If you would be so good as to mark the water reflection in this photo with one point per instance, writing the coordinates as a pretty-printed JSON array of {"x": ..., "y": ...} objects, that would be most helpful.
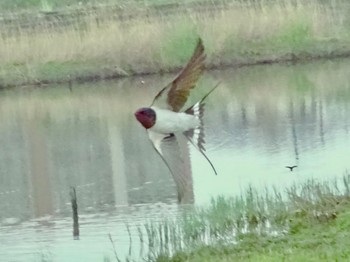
[{"x": 259, "y": 120}]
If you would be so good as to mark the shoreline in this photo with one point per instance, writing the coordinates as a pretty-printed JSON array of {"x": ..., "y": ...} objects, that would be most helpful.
[
  {"x": 101, "y": 47},
  {"x": 110, "y": 73}
]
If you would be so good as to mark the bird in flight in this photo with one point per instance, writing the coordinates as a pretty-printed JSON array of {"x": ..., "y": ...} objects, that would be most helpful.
[
  {"x": 291, "y": 167},
  {"x": 166, "y": 120}
]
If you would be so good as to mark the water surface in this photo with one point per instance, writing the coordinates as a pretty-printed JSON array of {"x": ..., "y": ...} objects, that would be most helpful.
[{"x": 258, "y": 121}]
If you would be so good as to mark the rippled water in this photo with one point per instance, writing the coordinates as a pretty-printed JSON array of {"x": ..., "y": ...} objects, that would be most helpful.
[{"x": 258, "y": 121}]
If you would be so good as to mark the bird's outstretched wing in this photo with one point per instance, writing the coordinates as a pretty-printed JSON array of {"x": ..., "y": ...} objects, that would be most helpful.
[
  {"x": 170, "y": 148},
  {"x": 291, "y": 167},
  {"x": 174, "y": 95}
]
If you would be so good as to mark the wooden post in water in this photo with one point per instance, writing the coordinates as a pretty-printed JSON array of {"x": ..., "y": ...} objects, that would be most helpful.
[{"x": 73, "y": 199}]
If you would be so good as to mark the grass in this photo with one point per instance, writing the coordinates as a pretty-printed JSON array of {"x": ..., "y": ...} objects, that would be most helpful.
[
  {"x": 326, "y": 241},
  {"x": 308, "y": 222},
  {"x": 96, "y": 45}
]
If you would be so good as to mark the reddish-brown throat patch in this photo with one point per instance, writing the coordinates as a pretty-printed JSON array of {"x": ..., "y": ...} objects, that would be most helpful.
[{"x": 146, "y": 116}]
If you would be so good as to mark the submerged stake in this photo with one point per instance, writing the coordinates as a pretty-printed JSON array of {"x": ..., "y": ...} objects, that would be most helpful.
[{"x": 73, "y": 199}]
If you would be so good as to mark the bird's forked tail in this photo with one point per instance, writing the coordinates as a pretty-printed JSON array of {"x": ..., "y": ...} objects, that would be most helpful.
[{"x": 196, "y": 135}]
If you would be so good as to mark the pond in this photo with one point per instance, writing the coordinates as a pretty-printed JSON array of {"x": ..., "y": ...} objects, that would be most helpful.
[{"x": 258, "y": 121}]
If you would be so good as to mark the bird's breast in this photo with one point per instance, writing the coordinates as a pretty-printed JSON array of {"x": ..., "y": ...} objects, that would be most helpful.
[{"x": 171, "y": 122}]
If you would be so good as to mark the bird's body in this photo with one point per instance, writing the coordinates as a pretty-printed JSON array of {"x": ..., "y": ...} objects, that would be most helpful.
[
  {"x": 165, "y": 120},
  {"x": 168, "y": 121}
]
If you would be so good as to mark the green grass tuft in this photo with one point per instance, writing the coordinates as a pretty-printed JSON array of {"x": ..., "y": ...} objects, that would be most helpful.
[
  {"x": 310, "y": 220},
  {"x": 295, "y": 36}
]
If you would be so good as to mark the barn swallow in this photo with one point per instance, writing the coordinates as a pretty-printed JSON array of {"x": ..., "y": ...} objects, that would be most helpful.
[
  {"x": 291, "y": 167},
  {"x": 165, "y": 120}
]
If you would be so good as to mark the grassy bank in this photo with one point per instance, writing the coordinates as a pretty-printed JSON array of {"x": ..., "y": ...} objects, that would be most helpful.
[
  {"x": 99, "y": 46},
  {"x": 312, "y": 242},
  {"x": 308, "y": 222}
]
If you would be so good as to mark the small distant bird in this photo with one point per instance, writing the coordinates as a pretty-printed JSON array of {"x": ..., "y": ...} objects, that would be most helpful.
[
  {"x": 165, "y": 120},
  {"x": 291, "y": 167}
]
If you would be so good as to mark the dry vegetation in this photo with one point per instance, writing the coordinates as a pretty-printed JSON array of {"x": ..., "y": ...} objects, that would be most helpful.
[{"x": 100, "y": 46}]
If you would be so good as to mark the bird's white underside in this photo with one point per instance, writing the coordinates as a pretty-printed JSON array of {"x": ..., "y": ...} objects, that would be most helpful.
[
  {"x": 168, "y": 122},
  {"x": 173, "y": 122}
]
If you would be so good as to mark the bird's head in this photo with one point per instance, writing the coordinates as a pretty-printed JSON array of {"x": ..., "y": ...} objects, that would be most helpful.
[{"x": 146, "y": 116}]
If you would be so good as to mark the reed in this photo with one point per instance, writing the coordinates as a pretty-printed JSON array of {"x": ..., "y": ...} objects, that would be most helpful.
[
  {"x": 97, "y": 45},
  {"x": 227, "y": 221}
]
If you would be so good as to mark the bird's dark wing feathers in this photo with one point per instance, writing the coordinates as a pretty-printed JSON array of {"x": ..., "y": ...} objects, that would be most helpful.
[{"x": 174, "y": 95}]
